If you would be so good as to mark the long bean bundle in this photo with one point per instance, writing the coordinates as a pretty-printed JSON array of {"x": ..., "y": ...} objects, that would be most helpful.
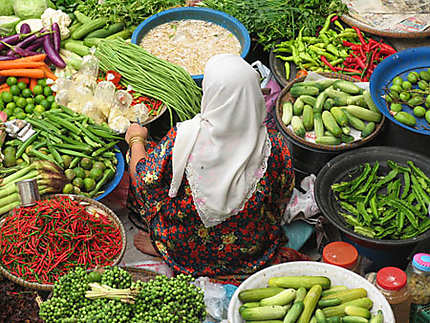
[{"x": 151, "y": 76}]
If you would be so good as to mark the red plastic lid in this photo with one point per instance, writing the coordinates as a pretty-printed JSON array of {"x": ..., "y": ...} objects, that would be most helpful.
[
  {"x": 341, "y": 254},
  {"x": 391, "y": 278}
]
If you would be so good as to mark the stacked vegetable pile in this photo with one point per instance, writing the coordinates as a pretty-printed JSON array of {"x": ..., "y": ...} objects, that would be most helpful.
[
  {"x": 94, "y": 297},
  {"x": 344, "y": 51},
  {"x": 307, "y": 299},
  {"x": 410, "y": 94},
  {"x": 43, "y": 242},
  {"x": 329, "y": 107},
  {"x": 388, "y": 206}
]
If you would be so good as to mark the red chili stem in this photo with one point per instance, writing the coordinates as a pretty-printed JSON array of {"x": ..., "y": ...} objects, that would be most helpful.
[{"x": 326, "y": 62}]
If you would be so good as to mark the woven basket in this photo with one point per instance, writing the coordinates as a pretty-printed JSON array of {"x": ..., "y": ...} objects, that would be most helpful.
[
  {"x": 100, "y": 207},
  {"x": 286, "y": 97}
]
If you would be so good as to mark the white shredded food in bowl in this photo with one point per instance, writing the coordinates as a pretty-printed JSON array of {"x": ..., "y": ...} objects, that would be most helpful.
[{"x": 190, "y": 43}]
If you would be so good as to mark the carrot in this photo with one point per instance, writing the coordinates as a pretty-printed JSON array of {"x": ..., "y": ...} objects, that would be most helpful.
[
  {"x": 33, "y": 83},
  {"x": 25, "y": 80},
  {"x": 34, "y": 58},
  {"x": 4, "y": 89},
  {"x": 24, "y": 72},
  {"x": 4, "y": 85},
  {"x": 11, "y": 65},
  {"x": 48, "y": 72}
]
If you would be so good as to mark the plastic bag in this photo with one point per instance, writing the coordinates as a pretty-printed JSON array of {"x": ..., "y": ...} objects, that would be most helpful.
[{"x": 302, "y": 205}]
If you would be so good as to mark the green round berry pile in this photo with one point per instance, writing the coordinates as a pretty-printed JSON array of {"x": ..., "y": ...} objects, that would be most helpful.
[{"x": 160, "y": 300}]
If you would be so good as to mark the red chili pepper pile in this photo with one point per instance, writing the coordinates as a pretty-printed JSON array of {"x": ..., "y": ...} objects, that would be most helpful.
[
  {"x": 42, "y": 242},
  {"x": 364, "y": 57}
]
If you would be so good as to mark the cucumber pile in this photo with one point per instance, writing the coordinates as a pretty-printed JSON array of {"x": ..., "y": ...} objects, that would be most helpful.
[
  {"x": 329, "y": 108},
  {"x": 410, "y": 98},
  {"x": 307, "y": 299}
]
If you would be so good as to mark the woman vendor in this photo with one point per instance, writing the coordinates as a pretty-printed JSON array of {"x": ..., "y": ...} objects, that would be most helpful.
[{"x": 213, "y": 190}]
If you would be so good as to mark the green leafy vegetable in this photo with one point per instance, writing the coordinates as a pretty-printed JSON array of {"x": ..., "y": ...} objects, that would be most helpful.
[
  {"x": 6, "y": 8},
  {"x": 26, "y": 9}
]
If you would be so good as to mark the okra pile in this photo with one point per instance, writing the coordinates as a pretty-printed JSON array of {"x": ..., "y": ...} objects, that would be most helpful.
[
  {"x": 307, "y": 299},
  {"x": 328, "y": 108},
  {"x": 386, "y": 205},
  {"x": 409, "y": 98}
]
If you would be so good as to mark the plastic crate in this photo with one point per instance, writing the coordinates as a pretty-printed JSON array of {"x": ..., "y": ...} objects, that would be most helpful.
[{"x": 420, "y": 313}]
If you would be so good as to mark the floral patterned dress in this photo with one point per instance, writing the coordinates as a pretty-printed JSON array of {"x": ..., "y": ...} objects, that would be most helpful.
[{"x": 241, "y": 245}]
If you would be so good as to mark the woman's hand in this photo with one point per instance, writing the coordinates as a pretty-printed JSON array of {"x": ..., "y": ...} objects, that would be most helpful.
[{"x": 136, "y": 131}]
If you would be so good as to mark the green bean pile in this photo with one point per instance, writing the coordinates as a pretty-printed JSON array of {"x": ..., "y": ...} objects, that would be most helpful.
[
  {"x": 151, "y": 76},
  {"x": 393, "y": 206}
]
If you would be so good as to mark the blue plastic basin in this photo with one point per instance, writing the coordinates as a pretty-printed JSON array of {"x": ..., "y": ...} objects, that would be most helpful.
[
  {"x": 220, "y": 18},
  {"x": 109, "y": 187}
]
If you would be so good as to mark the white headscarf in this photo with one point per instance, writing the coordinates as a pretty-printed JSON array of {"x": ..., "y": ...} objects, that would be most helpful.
[{"x": 224, "y": 149}]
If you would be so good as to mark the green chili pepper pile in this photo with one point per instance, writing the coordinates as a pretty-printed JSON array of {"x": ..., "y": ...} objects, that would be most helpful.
[{"x": 394, "y": 206}]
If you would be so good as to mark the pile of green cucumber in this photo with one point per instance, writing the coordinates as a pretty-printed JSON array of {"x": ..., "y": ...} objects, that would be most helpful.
[
  {"x": 86, "y": 33},
  {"x": 330, "y": 107},
  {"x": 306, "y": 299}
]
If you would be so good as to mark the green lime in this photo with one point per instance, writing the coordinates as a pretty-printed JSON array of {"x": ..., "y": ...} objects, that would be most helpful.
[
  {"x": 8, "y": 112},
  {"x": 21, "y": 85},
  {"x": 11, "y": 81},
  {"x": 6, "y": 97},
  {"x": 42, "y": 82},
  {"x": 45, "y": 104},
  {"x": 30, "y": 100},
  {"x": 38, "y": 109},
  {"x": 21, "y": 102},
  {"x": 26, "y": 93},
  {"x": 38, "y": 89},
  {"x": 89, "y": 184},
  {"x": 79, "y": 182},
  {"x": 17, "y": 110},
  {"x": 68, "y": 189},
  {"x": 20, "y": 115},
  {"x": 55, "y": 106},
  {"x": 29, "y": 108},
  {"x": 96, "y": 173},
  {"x": 94, "y": 277},
  {"x": 419, "y": 111},
  {"x": 47, "y": 91},
  {"x": 11, "y": 105},
  {"x": 50, "y": 99},
  {"x": 14, "y": 89},
  {"x": 99, "y": 165},
  {"x": 79, "y": 172},
  {"x": 39, "y": 98}
]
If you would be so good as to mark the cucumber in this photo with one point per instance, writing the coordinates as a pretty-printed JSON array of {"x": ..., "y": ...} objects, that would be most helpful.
[
  {"x": 88, "y": 27},
  {"x": 330, "y": 123},
  {"x": 370, "y": 127},
  {"x": 357, "y": 311},
  {"x": 329, "y": 134},
  {"x": 83, "y": 19},
  {"x": 324, "y": 84},
  {"x": 74, "y": 27},
  {"x": 354, "y": 319},
  {"x": 300, "y": 294},
  {"x": 310, "y": 302},
  {"x": 297, "y": 91},
  {"x": 300, "y": 131},
  {"x": 265, "y": 321},
  {"x": 339, "y": 310},
  {"x": 347, "y": 87},
  {"x": 341, "y": 100},
  {"x": 328, "y": 104},
  {"x": 329, "y": 302},
  {"x": 377, "y": 318},
  {"x": 307, "y": 99},
  {"x": 299, "y": 281},
  {"x": 77, "y": 47},
  {"x": 340, "y": 117},
  {"x": 308, "y": 117},
  {"x": 328, "y": 140},
  {"x": 104, "y": 32},
  {"x": 257, "y": 294},
  {"x": 298, "y": 107},
  {"x": 353, "y": 121},
  {"x": 319, "y": 315},
  {"x": 124, "y": 34},
  {"x": 318, "y": 125},
  {"x": 405, "y": 118},
  {"x": 248, "y": 305},
  {"x": 358, "y": 100},
  {"x": 369, "y": 101},
  {"x": 319, "y": 103},
  {"x": 313, "y": 320},
  {"x": 283, "y": 298},
  {"x": 334, "y": 319},
  {"x": 263, "y": 313},
  {"x": 332, "y": 93},
  {"x": 363, "y": 113},
  {"x": 294, "y": 312},
  {"x": 346, "y": 130},
  {"x": 348, "y": 295},
  {"x": 90, "y": 42},
  {"x": 287, "y": 113},
  {"x": 346, "y": 138}
]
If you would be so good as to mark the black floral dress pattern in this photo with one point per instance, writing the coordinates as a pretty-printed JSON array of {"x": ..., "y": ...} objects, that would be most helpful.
[{"x": 241, "y": 245}]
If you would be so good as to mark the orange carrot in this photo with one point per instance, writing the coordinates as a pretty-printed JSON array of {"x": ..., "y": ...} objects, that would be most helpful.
[
  {"x": 26, "y": 80},
  {"x": 24, "y": 72},
  {"x": 34, "y": 58},
  {"x": 12, "y": 65},
  {"x": 48, "y": 72},
  {"x": 4, "y": 85},
  {"x": 4, "y": 89},
  {"x": 33, "y": 83}
]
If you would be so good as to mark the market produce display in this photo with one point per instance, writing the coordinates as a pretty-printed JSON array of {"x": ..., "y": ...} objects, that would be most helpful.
[
  {"x": 329, "y": 108},
  {"x": 85, "y": 297},
  {"x": 408, "y": 98},
  {"x": 386, "y": 205},
  {"x": 272, "y": 21},
  {"x": 305, "y": 299},
  {"x": 43, "y": 242},
  {"x": 336, "y": 49}
]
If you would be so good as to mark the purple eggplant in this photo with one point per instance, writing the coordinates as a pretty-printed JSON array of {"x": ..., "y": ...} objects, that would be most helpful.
[
  {"x": 11, "y": 40},
  {"x": 30, "y": 39},
  {"x": 36, "y": 44},
  {"x": 52, "y": 54},
  {"x": 7, "y": 58},
  {"x": 25, "y": 29},
  {"x": 56, "y": 36}
]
